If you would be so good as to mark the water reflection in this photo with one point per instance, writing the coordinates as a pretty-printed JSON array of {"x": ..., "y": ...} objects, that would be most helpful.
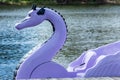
[{"x": 88, "y": 27}]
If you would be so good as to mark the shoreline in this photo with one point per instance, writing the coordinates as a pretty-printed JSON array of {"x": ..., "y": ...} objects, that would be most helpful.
[{"x": 54, "y": 3}]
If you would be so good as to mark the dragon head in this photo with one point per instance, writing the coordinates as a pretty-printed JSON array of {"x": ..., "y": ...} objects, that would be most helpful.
[{"x": 34, "y": 17}]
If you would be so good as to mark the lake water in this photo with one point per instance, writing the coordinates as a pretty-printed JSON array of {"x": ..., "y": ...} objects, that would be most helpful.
[{"x": 88, "y": 27}]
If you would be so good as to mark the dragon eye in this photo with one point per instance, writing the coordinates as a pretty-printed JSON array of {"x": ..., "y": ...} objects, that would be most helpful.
[{"x": 29, "y": 15}]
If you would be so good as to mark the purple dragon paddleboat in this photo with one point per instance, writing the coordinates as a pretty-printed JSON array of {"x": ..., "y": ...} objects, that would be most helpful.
[{"x": 100, "y": 62}]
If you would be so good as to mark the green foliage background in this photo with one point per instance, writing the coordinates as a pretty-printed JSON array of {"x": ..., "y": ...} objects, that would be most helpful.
[{"x": 55, "y": 1}]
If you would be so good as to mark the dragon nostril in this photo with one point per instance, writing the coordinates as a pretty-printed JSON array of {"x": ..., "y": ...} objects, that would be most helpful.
[{"x": 29, "y": 15}]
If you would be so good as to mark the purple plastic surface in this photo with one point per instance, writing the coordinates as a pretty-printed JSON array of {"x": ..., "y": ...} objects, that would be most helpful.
[
  {"x": 40, "y": 64},
  {"x": 40, "y": 60},
  {"x": 107, "y": 67}
]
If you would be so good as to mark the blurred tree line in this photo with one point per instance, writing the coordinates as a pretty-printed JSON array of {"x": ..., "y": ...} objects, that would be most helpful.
[
  {"x": 80, "y": 1},
  {"x": 27, "y": 1},
  {"x": 57, "y": 1}
]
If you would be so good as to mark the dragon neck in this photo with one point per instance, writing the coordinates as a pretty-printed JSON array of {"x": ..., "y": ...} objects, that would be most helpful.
[{"x": 49, "y": 49}]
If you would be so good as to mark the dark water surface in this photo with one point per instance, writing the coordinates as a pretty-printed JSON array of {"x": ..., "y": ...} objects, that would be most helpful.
[{"x": 88, "y": 27}]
